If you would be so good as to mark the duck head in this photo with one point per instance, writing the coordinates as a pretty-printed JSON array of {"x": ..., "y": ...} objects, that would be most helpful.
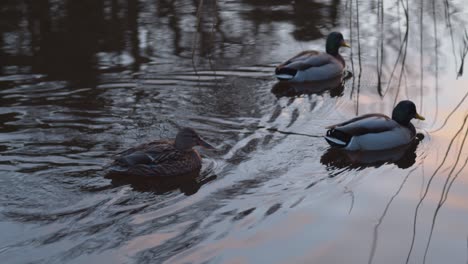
[
  {"x": 335, "y": 40},
  {"x": 187, "y": 138},
  {"x": 404, "y": 111}
]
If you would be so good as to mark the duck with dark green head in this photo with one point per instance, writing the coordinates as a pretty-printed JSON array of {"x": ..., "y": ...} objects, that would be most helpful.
[
  {"x": 162, "y": 158},
  {"x": 376, "y": 131},
  {"x": 311, "y": 65}
]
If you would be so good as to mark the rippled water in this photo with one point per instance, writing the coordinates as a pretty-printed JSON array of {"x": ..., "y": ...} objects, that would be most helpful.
[{"x": 82, "y": 80}]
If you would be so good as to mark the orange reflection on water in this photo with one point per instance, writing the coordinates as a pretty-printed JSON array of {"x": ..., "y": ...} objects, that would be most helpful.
[{"x": 290, "y": 226}]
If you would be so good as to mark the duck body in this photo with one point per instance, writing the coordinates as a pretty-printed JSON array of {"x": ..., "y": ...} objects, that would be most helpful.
[
  {"x": 403, "y": 156},
  {"x": 161, "y": 158},
  {"x": 310, "y": 66},
  {"x": 313, "y": 65},
  {"x": 373, "y": 132},
  {"x": 157, "y": 159},
  {"x": 290, "y": 89},
  {"x": 370, "y": 132}
]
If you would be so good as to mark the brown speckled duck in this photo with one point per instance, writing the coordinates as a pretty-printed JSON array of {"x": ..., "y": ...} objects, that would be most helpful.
[{"x": 162, "y": 158}]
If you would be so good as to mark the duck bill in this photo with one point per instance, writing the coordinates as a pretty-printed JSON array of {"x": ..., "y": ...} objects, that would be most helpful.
[
  {"x": 205, "y": 144},
  {"x": 345, "y": 44},
  {"x": 420, "y": 117}
]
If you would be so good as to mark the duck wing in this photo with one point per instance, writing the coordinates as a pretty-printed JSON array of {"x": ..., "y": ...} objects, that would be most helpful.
[
  {"x": 157, "y": 158},
  {"x": 153, "y": 152},
  {"x": 365, "y": 124},
  {"x": 306, "y": 60},
  {"x": 340, "y": 135}
]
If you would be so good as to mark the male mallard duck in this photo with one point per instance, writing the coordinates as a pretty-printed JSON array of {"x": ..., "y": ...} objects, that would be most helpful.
[
  {"x": 162, "y": 158},
  {"x": 376, "y": 131},
  {"x": 311, "y": 65}
]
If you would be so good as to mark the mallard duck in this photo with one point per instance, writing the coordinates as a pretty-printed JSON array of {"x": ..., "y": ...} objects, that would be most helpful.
[
  {"x": 376, "y": 131},
  {"x": 162, "y": 158},
  {"x": 311, "y": 65}
]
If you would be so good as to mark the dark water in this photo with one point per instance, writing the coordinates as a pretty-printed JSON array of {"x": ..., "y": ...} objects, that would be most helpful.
[{"x": 83, "y": 80}]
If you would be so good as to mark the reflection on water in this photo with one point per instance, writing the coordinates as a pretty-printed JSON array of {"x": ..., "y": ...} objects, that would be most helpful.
[{"x": 82, "y": 80}]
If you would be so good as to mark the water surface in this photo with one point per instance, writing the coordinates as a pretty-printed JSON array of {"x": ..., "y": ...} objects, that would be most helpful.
[{"x": 82, "y": 80}]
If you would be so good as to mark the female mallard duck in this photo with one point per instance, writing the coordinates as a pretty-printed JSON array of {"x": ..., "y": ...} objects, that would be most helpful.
[
  {"x": 162, "y": 158},
  {"x": 311, "y": 65},
  {"x": 376, "y": 131}
]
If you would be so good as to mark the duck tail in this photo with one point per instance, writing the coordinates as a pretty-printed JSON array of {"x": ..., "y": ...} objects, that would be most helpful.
[
  {"x": 285, "y": 74},
  {"x": 337, "y": 138}
]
